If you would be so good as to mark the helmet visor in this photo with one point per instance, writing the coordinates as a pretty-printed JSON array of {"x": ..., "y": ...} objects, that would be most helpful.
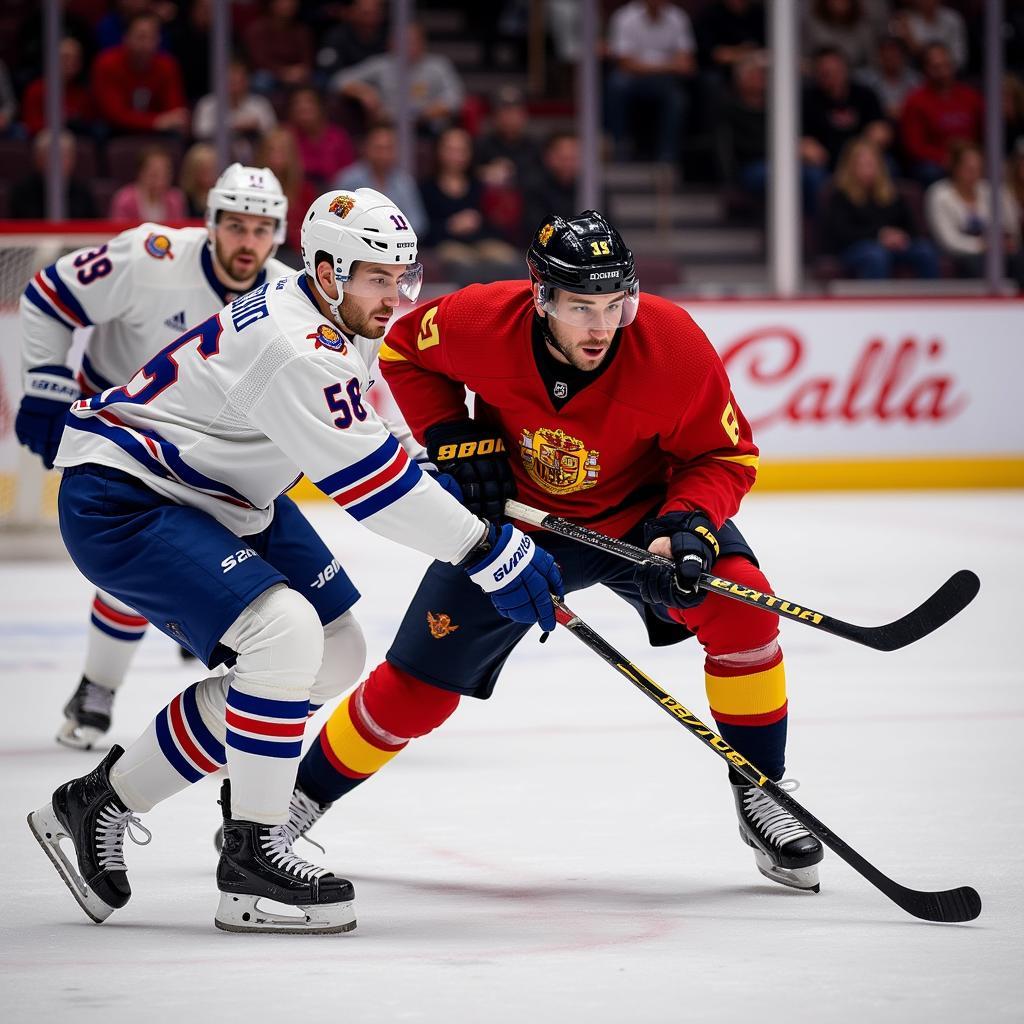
[
  {"x": 384, "y": 283},
  {"x": 592, "y": 312}
]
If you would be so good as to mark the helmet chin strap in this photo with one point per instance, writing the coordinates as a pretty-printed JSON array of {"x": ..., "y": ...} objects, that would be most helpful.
[{"x": 334, "y": 306}]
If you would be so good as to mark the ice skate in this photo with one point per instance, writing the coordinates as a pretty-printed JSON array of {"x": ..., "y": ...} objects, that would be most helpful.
[
  {"x": 89, "y": 813},
  {"x": 303, "y": 813},
  {"x": 86, "y": 715},
  {"x": 784, "y": 850},
  {"x": 257, "y": 865}
]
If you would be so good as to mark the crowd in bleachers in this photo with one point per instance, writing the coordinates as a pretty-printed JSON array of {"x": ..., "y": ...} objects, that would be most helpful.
[{"x": 893, "y": 178}]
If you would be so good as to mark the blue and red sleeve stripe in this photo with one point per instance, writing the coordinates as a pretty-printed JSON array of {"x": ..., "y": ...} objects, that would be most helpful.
[{"x": 374, "y": 482}]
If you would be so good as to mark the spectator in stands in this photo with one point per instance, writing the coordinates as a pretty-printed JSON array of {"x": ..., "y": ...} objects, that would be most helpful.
[
  {"x": 928, "y": 22},
  {"x": 324, "y": 148},
  {"x": 435, "y": 89},
  {"x": 110, "y": 29},
  {"x": 507, "y": 154},
  {"x": 379, "y": 169},
  {"x": 198, "y": 175},
  {"x": 743, "y": 127},
  {"x": 361, "y": 32},
  {"x": 250, "y": 116},
  {"x": 868, "y": 224},
  {"x": 554, "y": 189},
  {"x": 728, "y": 31},
  {"x": 280, "y": 152},
  {"x": 279, "y": 46},
  {"x": 465, "y": 241},
  {"x": 152, "y": 196},
  {"x": 78, "y": 106},
  {"x": 841, "y": 25},
  {"x": 936, "y": 114},
  {"x": 651, "y": 43},
  {"x": 28, "y": 197},
  {"x": 8, "y": 103},
  {"x": 958, "y": 210},
  {"x": 891, "y": 77},
  {"x": 136, "y": 88},
  {"x": 836, "y": 110}
]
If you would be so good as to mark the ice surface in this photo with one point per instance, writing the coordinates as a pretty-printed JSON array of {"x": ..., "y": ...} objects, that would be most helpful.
[{"x": 564, "y": 852}]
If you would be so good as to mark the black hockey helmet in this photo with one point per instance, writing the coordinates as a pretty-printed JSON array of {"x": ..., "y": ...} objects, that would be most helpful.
[{"x": 584, "y": 255}]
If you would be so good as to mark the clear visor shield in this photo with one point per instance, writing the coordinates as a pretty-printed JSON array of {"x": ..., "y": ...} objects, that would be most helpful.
[
  {"x": 386, "y": 285},
  {"x": 593, "y": 312}
]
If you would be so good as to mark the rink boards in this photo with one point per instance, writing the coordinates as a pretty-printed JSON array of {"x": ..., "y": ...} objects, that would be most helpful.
[{"x": 840, "y": 393}]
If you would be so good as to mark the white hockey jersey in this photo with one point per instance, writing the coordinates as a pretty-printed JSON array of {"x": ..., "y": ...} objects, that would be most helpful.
[
  {"x": 140, "y": 290},
  {"x": 227, "y": 416}
]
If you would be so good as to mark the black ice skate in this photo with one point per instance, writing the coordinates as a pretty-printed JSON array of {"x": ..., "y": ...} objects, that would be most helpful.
[
  {"x": 86, "y": 715},
  {"x": 257, "y": 864},
  {"x": 89, "y": 813},
  {"x": 784, "y": 850},
  {"x": 303, "y": 813}
]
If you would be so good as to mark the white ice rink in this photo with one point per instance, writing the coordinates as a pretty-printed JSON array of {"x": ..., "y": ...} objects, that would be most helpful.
[{"x": 564, "y": 852}]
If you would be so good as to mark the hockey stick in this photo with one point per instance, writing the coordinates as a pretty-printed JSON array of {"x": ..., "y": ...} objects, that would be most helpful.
[
  {"x": 949, "y": 600},
  {"x": 950, "y": 905}
]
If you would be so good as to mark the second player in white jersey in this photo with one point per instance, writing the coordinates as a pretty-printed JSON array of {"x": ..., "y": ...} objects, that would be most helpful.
[{"x": 134, "y": 295}]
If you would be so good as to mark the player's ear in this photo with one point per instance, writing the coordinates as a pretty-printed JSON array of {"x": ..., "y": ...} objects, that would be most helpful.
[{"x": 325, "y": 275}]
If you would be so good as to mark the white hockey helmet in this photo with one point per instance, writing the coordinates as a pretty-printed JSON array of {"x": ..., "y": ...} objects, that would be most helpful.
[
  {"x": 361, "y": 225},
  {"x": 250, "y": 190}
]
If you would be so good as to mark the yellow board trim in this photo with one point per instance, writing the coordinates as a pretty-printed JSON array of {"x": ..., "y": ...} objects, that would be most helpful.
[
  {"x": 891, "y": 474},
  {"x": 390, "y": 355},
  {"x": 753, "y": 694},
  {"x": 349, "y": 747}
]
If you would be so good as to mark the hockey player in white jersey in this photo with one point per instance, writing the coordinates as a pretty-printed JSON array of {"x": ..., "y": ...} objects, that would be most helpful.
[
  {"x": 136, "y": 293},
  {"x": 169, "y": 500}
]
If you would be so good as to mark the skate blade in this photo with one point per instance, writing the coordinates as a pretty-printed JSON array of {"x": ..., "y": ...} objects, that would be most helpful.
[
  {"x": 47, "y": 829},
  {"x": 241, "y": 913},
  {"x": 77, "y": 737},
  {"x": 795, "y": 878}
]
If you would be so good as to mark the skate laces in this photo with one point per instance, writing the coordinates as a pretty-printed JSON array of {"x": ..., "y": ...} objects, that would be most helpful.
[
  {"x": 111, "y": 827},
  {"x": 277, "y": 845},
  {"x": 303, "y": 813},
  {"x": 95, "y": 699},
  {"x": 775, "y": 823}
]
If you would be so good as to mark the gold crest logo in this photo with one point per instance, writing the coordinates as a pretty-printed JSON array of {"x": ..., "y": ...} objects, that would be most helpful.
[
  {"x": 440, "y": 625},
  {"x": 558, "y": 462},
  {"x": 327, "y": 336},
  {"x": 545, "y": 233},
  {"x": 341, "y": 206}
]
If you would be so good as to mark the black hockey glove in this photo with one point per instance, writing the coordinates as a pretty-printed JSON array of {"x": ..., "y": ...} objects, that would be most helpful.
[
  {"x": 475, "y": 456},
  {"x": 49, "y": 393},
  {"x": 694, "y": 550}
]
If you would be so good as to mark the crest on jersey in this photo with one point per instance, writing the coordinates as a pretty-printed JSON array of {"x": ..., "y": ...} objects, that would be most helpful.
[
  {"x": 557, "y": 461},
  {"x": 545, "y": 233},
  {"x": 440, "y": 625},
  {"x": 327, "y": 336},
  {"x": 158, "y": 246},
  {"x": 341, "y": 206}
]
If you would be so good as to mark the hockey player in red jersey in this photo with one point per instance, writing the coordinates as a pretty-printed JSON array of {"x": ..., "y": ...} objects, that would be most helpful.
[{"x": 611, "y": 408}]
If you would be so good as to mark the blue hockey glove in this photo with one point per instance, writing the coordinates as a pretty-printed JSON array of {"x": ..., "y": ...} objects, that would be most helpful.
[
  {"x": 519, "y": 576},
  {"x": 694, "y": 550},
  {"x": 49, "y": 392}
]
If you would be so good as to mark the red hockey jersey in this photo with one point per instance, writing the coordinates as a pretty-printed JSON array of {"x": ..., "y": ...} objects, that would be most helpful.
[{"x": 657, "y": 428}]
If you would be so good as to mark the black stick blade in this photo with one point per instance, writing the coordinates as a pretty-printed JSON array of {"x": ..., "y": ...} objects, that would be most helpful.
[
  {"x": 951, "y": 906},
  {"x": 948, "y": 601}
]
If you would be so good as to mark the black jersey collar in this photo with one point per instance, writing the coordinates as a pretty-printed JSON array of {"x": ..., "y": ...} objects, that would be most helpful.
[{"x": 563, "y": 381}]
